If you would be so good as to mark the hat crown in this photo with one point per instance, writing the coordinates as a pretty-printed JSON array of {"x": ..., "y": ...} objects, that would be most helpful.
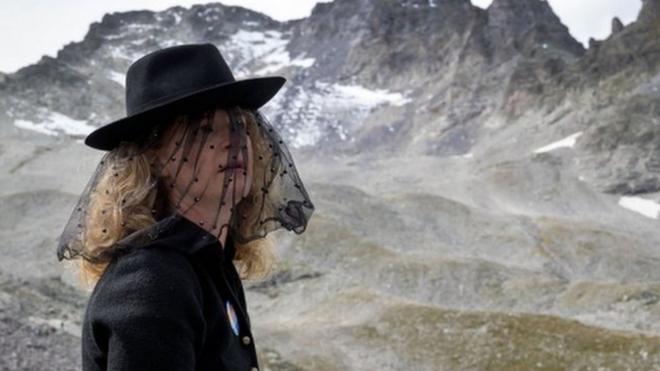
[
  {"x": 174, "y": 71},
  {"x": 179, "y": 79}
]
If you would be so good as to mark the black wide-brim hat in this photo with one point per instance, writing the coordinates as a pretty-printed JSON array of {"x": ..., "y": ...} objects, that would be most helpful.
[{"x": 178, "y": 79}]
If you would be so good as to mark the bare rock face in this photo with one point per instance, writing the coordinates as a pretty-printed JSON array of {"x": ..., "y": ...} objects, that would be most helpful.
[
  {"x": 526, "y": 25},
  {"x": 621, "y": 83},
  {"x": 617, "y": 26},
  {"x": 632, "y": 47},
  {"x": 531, "y": 47},
  {"x": 383, "y": 42},
  {"x": 650, "y": 11}
]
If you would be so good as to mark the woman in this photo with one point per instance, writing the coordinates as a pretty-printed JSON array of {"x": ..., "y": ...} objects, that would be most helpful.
[{"x": 194, "y": 180}]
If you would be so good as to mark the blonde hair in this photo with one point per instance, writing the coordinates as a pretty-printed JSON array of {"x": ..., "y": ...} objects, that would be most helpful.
[{"x": 125, "y": 197}]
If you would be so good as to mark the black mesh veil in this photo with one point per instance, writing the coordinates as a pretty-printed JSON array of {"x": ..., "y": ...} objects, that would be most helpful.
[{"x": 226, "y": 169}]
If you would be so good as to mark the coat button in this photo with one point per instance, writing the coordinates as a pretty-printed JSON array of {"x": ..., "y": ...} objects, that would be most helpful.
[{"x": 246, "y": 340}]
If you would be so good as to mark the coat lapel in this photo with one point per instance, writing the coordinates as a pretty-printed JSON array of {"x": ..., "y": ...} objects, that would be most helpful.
[{"x": 224, "y": 274}]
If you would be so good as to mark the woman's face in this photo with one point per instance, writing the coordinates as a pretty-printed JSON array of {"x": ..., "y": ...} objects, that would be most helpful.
[{"x": 213, "y": 162}]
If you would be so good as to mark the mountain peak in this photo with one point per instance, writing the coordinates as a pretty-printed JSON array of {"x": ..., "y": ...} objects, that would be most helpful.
[
  {"x": 617, "y": 25},
  {"x": 530, "y": 22},
  {"x": 518, "y": 15}
]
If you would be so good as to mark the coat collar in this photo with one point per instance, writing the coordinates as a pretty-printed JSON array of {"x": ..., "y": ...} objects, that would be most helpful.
[{"x": 178, "y": 232}]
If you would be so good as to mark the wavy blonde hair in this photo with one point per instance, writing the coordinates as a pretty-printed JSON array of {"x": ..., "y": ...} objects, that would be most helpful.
[{"x": 125, "y": 198}]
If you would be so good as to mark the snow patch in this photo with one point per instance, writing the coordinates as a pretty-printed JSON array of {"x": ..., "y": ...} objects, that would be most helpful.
[
  {"x": 648, "y": 208},
  {"x": 170, "y": 42},
  {"x": 55, "y": 122},
  {"x": 132, "y": 30},
  {"x": 174, "y": 13},
  {"x": 114, "y": 37},
  {"x": 465, "y": 155},
  {"x": 118, "y": 52},
  {"x": 569, "y": 141},
  {"x": 303, "y": 62},
  {"x": 312, "y": 112},
  {"x": 267, "y": 50},
  {"x": 140, "y": 27},
  {"x": 366, "y": 97},
  {"x": 120, "y": 78}
]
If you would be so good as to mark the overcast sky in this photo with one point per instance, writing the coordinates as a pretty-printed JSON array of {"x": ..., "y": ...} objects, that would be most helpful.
[{"x": 32, "y": 28}]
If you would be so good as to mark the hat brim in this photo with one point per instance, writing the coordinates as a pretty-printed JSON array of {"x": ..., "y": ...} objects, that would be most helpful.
[{"x": 248, "y": 93}]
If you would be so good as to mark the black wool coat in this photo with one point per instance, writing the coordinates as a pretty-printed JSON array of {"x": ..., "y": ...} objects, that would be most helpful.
[{"x": 167, "y": 306}]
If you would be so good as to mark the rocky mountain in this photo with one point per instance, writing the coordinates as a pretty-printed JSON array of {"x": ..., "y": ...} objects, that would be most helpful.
[
  {"x": 444, "y": 73},
  {"x": 487, "y": 188}
]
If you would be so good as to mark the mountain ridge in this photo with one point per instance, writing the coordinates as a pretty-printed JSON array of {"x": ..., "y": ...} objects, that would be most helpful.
[{"x": 444, "y": 73}]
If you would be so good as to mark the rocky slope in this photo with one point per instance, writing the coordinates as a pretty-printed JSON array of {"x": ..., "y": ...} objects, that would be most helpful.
[{"x": 484, "y": 184}]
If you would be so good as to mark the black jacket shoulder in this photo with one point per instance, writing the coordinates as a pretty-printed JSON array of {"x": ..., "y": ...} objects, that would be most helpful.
[{"x": 145, "y": 312}]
